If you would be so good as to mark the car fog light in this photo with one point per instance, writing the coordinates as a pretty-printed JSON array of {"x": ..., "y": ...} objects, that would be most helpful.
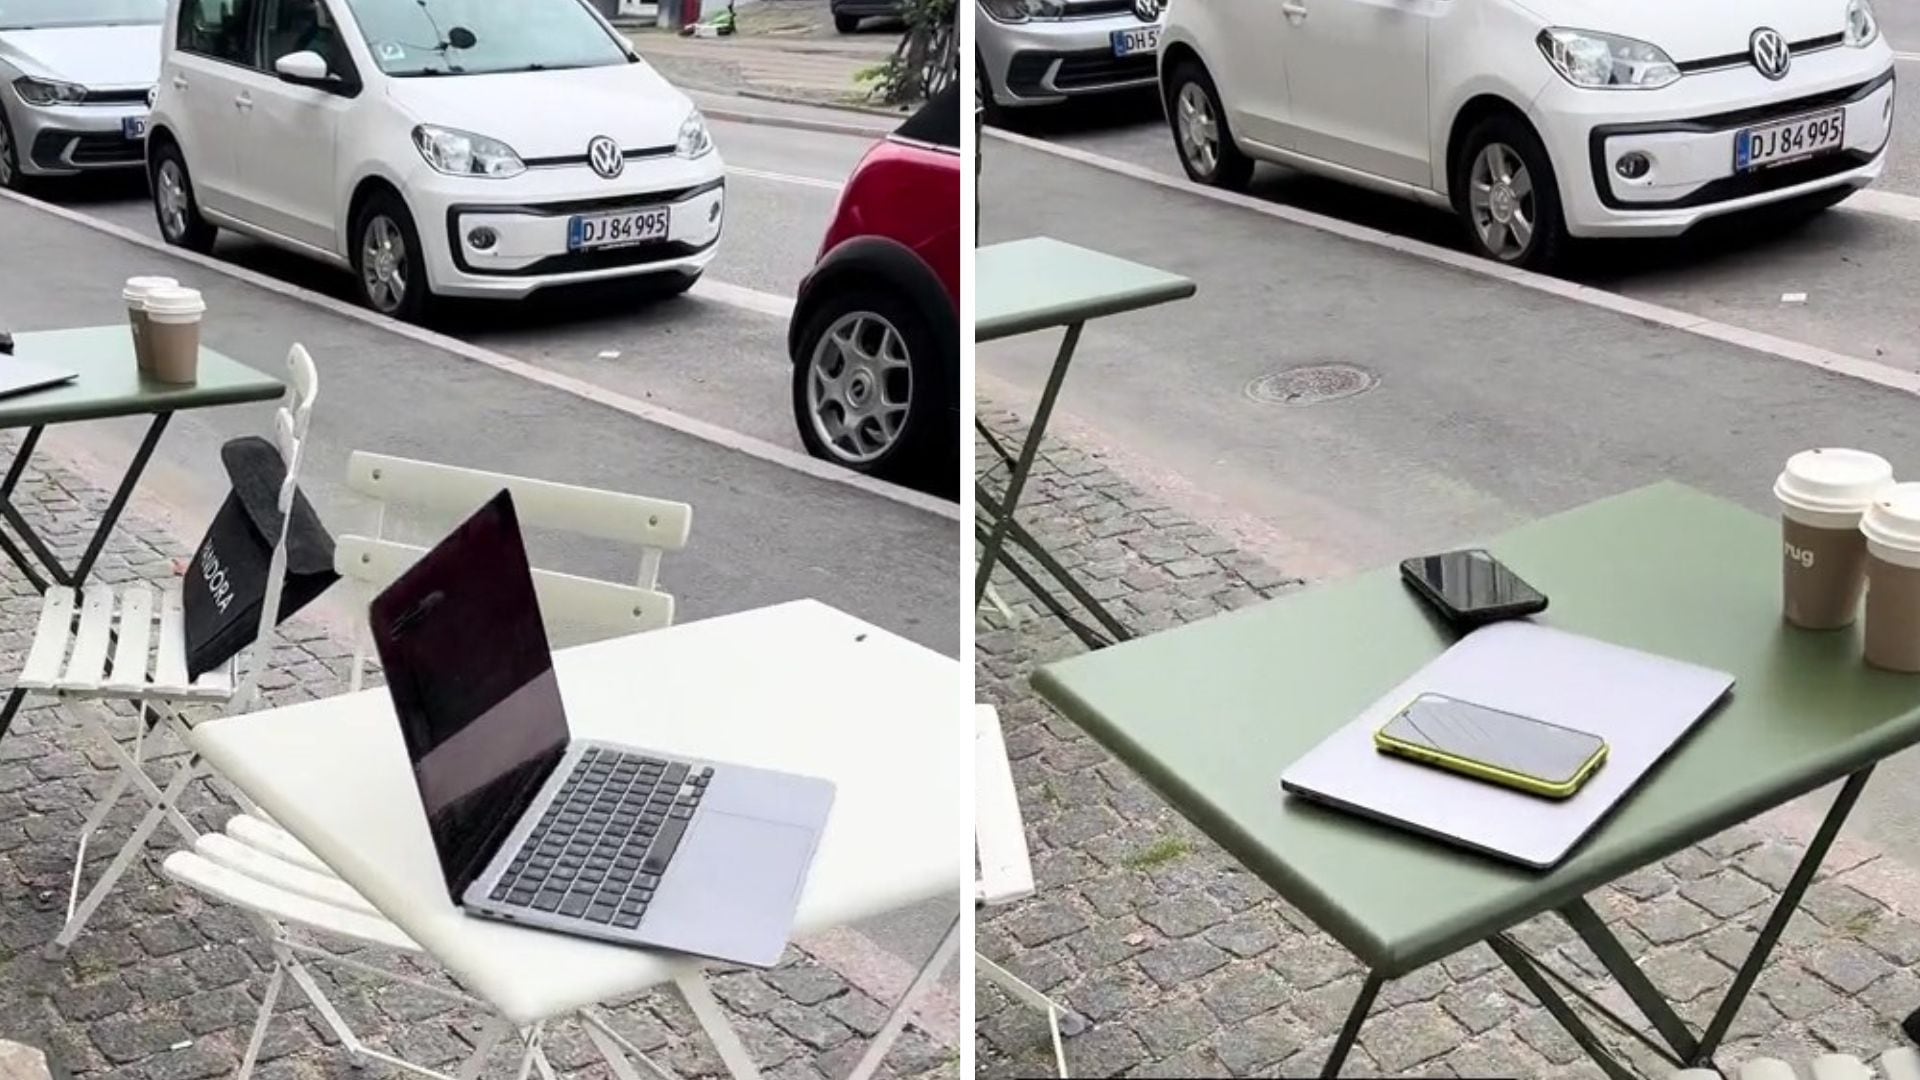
[
  {"x": 483, "y": 239},
  {"x": 1633, "y": 166}
]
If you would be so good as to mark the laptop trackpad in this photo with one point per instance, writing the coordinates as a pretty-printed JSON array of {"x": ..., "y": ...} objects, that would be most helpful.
[{"x": 731, "y": 889}]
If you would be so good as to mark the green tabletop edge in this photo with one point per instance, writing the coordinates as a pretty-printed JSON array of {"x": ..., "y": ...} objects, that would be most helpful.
[
  {"x": 110, "y": 384},
  {"x": 1039, "y": 282}
]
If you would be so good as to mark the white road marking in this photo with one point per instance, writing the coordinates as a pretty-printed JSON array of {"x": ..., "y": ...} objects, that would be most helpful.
[
  {"x": 1910, "y": 57},
  {"x": 1811, "y": 355},
  {"x": 786, "y": 178},
  {"x": 766, "y": 303},
  {"x": 580, "y": 388},
  {"x": 1885, "y": 203}
]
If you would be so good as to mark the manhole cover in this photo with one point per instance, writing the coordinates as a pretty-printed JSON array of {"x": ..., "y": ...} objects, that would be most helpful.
[{"x": 1312, "y": 384}]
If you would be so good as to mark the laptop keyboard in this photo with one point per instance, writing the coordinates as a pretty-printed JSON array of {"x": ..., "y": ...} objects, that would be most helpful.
[{"x": 600, "y": 848}]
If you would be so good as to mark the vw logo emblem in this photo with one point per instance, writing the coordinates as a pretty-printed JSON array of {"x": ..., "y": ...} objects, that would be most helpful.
[
  {"x": 605, "y": 157},
  {"x": 1148, "y": 10},
  {"x": 1770, "y": 53}
]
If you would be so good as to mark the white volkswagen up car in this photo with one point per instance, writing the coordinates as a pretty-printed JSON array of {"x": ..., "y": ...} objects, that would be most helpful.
[
  {"x": 477, "y": 148},
  {"x": 1535, "y": 120}
]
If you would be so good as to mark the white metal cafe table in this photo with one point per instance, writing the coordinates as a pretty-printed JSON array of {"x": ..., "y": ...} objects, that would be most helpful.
[{"x": 798, "y": 686}]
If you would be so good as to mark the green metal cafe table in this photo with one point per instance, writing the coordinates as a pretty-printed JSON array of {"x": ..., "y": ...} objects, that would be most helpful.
[
  {"x": 1210, "y": 714},
  {"x": 109, "y": 385},
  {"x": 1025, "y": 286}
]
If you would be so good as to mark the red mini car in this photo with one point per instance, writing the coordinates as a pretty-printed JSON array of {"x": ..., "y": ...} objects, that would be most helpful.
[{"x": 875, "y": 337}]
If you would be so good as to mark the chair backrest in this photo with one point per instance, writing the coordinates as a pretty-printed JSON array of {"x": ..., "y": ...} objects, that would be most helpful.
[
  {"x": 1004, "y": 868},
  {"x": 602, "y": 608},
  {"x": 290, "y": 423}
]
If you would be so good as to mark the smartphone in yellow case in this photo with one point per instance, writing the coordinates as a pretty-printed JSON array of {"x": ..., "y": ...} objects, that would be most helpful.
[{"x": 1498, "y": 747}]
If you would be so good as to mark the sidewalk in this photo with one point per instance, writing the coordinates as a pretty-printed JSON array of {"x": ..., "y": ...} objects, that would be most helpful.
[
  {"x": 783, "y": 49},
  {"x": 164, "y": 984},
  {"x": 1187, "y": 966}
]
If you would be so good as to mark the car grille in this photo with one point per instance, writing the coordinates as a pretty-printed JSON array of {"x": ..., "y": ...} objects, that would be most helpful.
[
  {"x": 115, "y": 97},
  {"x": 611, "y": 259},
  {"x": 55, "y": 149},
  {"x": 1742, "y": 59},
  {"x": 1086, "y": 70}
]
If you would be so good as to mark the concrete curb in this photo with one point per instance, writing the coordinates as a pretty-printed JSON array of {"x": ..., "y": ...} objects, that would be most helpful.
[
  {"x": 796, "y": 123},
  {"x": 857, "y": 110}
]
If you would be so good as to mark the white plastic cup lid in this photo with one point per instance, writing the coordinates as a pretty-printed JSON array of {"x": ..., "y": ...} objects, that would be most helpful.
[
  {"x": 175, "y": 301},
  {"x": 138, "y": 287},
  {"x": 1893, "y": 521},
  {"x": 1832, "y": 480}
]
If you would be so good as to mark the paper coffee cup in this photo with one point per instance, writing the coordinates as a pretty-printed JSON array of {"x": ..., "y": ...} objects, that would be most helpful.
[
  {"x": 1823, "y": 494},
  {"x": 173, "y": 333},
  {"x": 135, "y": 294},
  {"x": 1891, "y": 528}
]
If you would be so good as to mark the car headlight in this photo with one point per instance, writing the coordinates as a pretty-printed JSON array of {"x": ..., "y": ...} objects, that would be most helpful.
[
  {"x": 1862, "y": 28},
  {"x": 694, "y": 140},
  {"x": 462, "y": 153},
  {"x": 47, "y": 92},
  {"x": 1018, "y": 11},
  {"x": 1605, "y": 61}
]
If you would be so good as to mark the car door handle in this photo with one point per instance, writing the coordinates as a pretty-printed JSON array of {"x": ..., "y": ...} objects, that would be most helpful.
[
  {"x": 179, "y": 82},
  {"x": 1295, "y": 12},
  {"x": 244, "y": 101}
]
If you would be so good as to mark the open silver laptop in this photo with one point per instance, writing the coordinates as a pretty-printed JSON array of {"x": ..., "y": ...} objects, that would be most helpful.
[
  {"x": 584, "y": 837},
  {"x": 19, "y": 376}
]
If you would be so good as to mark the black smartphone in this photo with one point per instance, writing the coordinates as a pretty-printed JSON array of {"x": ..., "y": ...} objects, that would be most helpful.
[{"x": 1472, "y": 588}]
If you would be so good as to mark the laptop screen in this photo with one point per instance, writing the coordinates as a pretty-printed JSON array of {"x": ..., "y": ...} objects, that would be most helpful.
[{"x": 472, "y": 682}]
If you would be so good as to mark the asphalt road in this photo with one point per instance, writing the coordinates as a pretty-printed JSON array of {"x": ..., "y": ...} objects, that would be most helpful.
[
  {"x": 1495, "y": 403},
  {"x": 716, "y": 361},
  {"x": 1856, "y": 267}
]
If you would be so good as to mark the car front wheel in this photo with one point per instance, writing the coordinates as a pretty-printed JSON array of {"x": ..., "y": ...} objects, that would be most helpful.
[
  {"x": 871, "y": 393},
  {"x": 174, "y": 206},
  {"x": 1508, "y": 197},
  {"x": 11, "y": 177},
  {"x": 1200, "y": 132},
  {"x": 389, "y": 265}
]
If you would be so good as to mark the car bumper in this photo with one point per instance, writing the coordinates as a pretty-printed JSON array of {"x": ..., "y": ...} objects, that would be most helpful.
[
  {"x": 529, "y": 218},
  {"x": 1039, "y": 63},
  {"x": 1688, "y": 131},
  {"x": 62, "y": 140}
]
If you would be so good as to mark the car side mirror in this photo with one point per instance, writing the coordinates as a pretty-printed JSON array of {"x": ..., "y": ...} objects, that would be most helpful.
[{"x": 304, "y": 68}]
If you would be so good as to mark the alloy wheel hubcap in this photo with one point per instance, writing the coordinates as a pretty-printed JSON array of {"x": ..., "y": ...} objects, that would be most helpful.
[
  {"x": 383, "y": 264},
  {"x": 859, "y": 387},
  {"x": 172, "y": 193},
  {"x": 1199, "y": 130},
  {"x": 1500, "y": 198}
]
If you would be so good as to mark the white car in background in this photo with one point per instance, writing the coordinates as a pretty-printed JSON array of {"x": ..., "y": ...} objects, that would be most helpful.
[
  {"x": 1043, "y": 52},
  {"x": 74, "y": 81},
  {"x": 1537, "y": 120},
  {"x": 475, "y": 148}
]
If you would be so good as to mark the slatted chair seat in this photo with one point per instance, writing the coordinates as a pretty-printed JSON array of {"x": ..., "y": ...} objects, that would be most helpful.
[
  {"x": 127, "y": 642},
  {"x": 1900, "y": 1063}
]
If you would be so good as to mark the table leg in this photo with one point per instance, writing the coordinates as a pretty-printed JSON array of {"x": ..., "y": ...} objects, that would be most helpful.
[
  {"x": 1017, "y": 481},
  {"x": 1522, "y": 965},
  {"x": 1613, "y": 956},
  {"x": 1783, "y": 911},
  {"x": 713, "y": 1020},
  {"x": 117, "y": 505},
  {"x": 1350, "y": 1031},
  {"x": 1087, "y": 635},
  {"x": 883, "y": 1039}
]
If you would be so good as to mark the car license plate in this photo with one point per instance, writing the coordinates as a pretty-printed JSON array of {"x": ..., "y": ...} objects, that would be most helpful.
[
  {"x": 591, "y": 232},
  {"x": 133, "y": 127},
  {"x": 1789, "y": 140},
  {"x": 1133, "y": 42}
]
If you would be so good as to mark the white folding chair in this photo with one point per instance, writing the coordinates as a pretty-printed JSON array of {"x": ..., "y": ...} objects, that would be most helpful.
[
  {"x": 129, "y": 644},
  {"x": 256, "y": 866},
  {"x": 602, "y": 609},
  {"x": 1900, "y": 1063},
  {"x": 1005, "y": 870}
]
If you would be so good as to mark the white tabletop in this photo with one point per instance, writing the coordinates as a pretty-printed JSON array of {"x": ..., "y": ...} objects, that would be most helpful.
[{"x": 799, "y": 687}]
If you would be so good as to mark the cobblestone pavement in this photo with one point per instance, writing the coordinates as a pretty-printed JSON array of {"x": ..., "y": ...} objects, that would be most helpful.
[
  {"x": 164, "y": 985},
  {"x": 1185, "y": 965}
]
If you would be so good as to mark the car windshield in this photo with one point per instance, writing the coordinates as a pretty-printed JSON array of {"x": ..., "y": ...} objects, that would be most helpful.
[
  {"x": 476, "y": 37},
  {"x": 45, "y": 14}
]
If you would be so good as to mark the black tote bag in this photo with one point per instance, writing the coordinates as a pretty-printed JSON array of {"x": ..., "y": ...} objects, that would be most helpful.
[{"x": 226, "y": 584}]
